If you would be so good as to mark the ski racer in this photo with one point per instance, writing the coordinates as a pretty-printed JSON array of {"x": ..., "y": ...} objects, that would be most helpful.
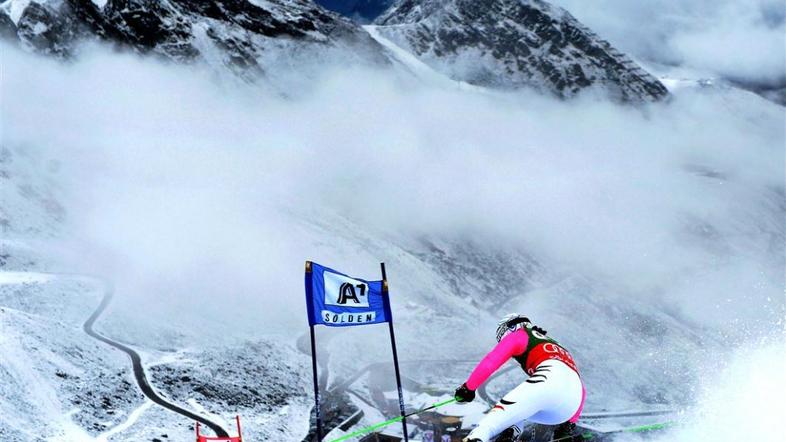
[{"x": 552, "y": 395}]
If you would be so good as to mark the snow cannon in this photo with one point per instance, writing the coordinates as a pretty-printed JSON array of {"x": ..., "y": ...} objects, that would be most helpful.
[{"x": 238, "y": 438}]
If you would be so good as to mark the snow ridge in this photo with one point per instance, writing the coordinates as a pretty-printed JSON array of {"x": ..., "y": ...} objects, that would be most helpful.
[
  {"x": 511, "y": 44},
  {"x": 505, "y": 44},
  {"x": 245, "y": 37}
]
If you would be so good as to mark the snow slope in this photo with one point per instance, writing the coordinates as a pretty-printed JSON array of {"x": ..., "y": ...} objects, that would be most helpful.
[
  {"x": 266, "y": 383},
  {"x": 58, "y": 383},
  {"x": 416, "y": 67},
  {"x": 648, "y": 240}
]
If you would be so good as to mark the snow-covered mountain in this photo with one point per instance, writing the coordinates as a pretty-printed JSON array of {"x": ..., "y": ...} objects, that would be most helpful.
[
  {"x": 649, "y": 243},
  {"x": 498, "y": 43},
  {"x": 513, "y": 44},
  {"x": 247, "y": 37}
]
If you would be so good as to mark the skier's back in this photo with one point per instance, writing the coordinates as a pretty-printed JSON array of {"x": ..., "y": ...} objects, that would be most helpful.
[{"x": 552, "y": 395}]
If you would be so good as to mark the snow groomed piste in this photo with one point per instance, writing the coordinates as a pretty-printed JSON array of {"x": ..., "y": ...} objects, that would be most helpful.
[
  {"x": 422, "y": 430},
  {"x": 433, "y": 430},
  {"x": 585, "y": 432},
  {"x": 336, "y": 299}
]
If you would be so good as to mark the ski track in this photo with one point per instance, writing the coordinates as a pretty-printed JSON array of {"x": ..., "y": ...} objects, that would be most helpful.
[{"x": 73, "y": 431}]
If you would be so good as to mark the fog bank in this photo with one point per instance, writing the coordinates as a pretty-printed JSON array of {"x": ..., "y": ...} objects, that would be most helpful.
[{"x": 205, "y": 196}]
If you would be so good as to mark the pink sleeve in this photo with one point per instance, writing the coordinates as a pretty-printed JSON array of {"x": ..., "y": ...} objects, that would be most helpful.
[{"x": 513, "y": 344}]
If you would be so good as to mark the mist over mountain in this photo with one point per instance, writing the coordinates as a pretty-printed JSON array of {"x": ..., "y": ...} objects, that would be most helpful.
[
  {"x": 737, "y": 41},
  {"x": 145, "y": 189}
]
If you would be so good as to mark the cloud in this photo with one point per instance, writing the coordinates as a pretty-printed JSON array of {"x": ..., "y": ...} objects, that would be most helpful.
[
  {"x": 209, "y": 196},
  {"x": 737, "y": 39}
]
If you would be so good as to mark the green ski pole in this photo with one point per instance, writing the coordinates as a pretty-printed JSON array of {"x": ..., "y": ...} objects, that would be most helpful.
[
  {"x": 391, "y": 421},
  {"x": 638, "y": 429},
  {"x": 644, "y": 428}
]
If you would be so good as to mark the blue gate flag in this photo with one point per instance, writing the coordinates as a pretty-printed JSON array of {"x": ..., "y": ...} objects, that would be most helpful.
[{"x": 338, "y": 300}]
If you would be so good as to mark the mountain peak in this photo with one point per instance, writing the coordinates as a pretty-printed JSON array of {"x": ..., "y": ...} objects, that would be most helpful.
[
  {"x": 504, "y": 44},
  {"x": 511, "y": 44},
  {"x": 242, "y": 35}
]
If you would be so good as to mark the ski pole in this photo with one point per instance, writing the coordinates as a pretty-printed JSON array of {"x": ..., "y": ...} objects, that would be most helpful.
[
  {"x": 391, "y": 421},
  {"x": 644, "y": 428},
  {"x": 638, "y": 429}
]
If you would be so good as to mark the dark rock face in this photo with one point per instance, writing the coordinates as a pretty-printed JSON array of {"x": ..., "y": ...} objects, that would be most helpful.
[
  {"x": 44, "y": 29},
  {"x": 7, "y": 28},
  {"x": 505, "y": 44},
  {"x": 239, "y": 34},
  {"x": 513, "y": 44},
  {"x": 472, "y": 268}
]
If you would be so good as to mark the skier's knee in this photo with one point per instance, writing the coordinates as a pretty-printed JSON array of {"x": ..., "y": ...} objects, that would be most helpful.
[{"x": 479, "y": 434}]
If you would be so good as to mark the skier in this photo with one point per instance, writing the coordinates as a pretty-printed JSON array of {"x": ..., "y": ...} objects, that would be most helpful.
[{"x": 552, "y": 395}]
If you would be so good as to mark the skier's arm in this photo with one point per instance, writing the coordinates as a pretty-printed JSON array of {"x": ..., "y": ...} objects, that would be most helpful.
[{"x": 513, "y": 344}]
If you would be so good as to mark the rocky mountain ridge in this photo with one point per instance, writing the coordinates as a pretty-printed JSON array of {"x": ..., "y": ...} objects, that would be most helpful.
[
  {"x": 244, "y": 36},
  {"x": 504, "y": 44},
  {"x": 511, "y": 44}
]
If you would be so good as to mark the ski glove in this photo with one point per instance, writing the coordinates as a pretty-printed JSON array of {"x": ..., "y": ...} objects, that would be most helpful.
[{"x": 464, "y": 394}]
